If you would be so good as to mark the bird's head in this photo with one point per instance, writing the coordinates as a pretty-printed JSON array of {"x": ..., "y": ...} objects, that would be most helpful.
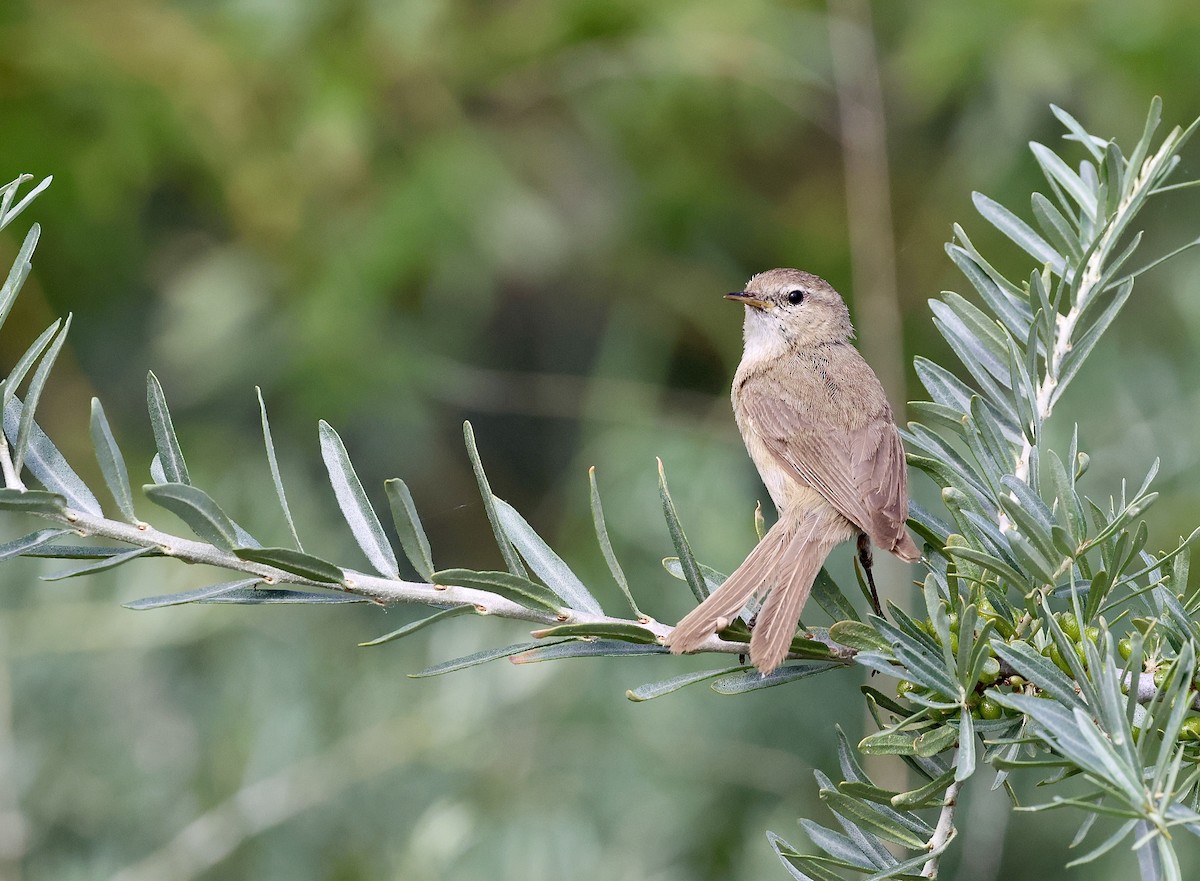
[{"x": 788, "y": 308}]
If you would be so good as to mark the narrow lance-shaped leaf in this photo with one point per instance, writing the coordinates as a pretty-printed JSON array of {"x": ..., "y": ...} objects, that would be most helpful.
[
  {"x": 100, "y": 565},
  {"x": 112, "y": 462},
  {"x": 189, "y": 596},
  {"x": 273, "y": 464},
  {"x": 46, "y": 463},
  {"x": 170, "y": 456},
  {"x": 408, "y": 527},
  {"x": 420, "y": 624},
  {"x": 687, "y": 559},
  {"x": 19, "y": 272},
  {"x": 28, "y": 358},
  {"x": 9, "y": 214},
  {"x": 512, "y": 587},
  {"x": 197, "y": 509},
  {"x": 542, "y": 560},
  {"x": 652, "y": 690},
  {"x": 1018, "y": 231},
  {"x": 294, "y": 562},
  {"x": 31, "y": 542},
  {"x": 352, "y": 499},
  {"x": 511, "y": 561},
  {"x": 475, "y": 659},
  {"x": 34, "y": 394},
  {"x": 32, "y": 501},
  {"x": 606, "y": 548}
]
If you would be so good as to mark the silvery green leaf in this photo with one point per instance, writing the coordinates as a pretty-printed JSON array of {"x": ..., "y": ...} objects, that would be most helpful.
[
  {"x": 255, "y": 596},
  {"x": 972, "y": 350},
  {"x": 27, "y": 543},
  {"x": 1057, "y": 171},
  {"x": 112, "y": 463},
  {"x": 189, "y": 596},
  {"x": 99, "y": 566},
  {"x": 273, "y": 464},
  {"x": 157, "y": 474},
  {"x": 1094, "y": 145},
  {"x": 918, "y": 659},
  {"x": 751, "y": 680},
  {"x": 1081, "y": 349},
  {"x": 1010, "y": 309},
  {"x": 588, "y": 648},
  {"x": 33, "y": 396},
  {"x": 419, "y": 624},
  {"x": 294, "y": 562},
  {"x": 619, "y": 630},
  {"x": 1142, "y": 148},
  {"x": 1121, "y": 833},
  {"x": 857, "y": 635},
  {"x": 32, "y": 502},
  {"x": 46, "y": 463},
  {"x": 988, "y": 562},
  {"x": 837, "y": 845},
  {"x": 475, "y": 659},
  {"x": 1019, "y": 232},
  {"x": 519, "y": 590},
  {"x": 687, "y": 560},
  {"x": 170, "y": 456},
  {"x": 862, "y": 815},
  {"x": 943, "y": 386},
  {"x": 1040, "y": 669},
  {"x": 19, "y": 272},
  {"x": 606, "y": 548},
  {"x": 827, "y": 595},
  {"x": 9, "y": 212},
  {"x": 356, "y": 509},
  {"x": 657, "y": 689},
  {"x": 28, "y": 358},
  {"x": 512, "y": 562},
  {"x": 1060, "y": 230},
  {"x": 712, "y": 578},
  {"x": 412, "y": 535},
  {"x": 195, "y": 508},
  {"x": 542, "y": 560},
  {"x": 778, "y": 845}
]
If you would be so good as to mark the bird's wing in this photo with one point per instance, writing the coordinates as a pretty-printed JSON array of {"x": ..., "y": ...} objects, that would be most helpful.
[{"x": 860, "y": 471}]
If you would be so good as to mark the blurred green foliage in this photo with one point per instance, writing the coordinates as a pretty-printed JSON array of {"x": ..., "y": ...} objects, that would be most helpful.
[{"x": 397, "y": 215}]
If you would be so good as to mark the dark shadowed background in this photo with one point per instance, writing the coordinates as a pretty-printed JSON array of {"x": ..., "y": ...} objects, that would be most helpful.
[{"x": 399, "y": 215}]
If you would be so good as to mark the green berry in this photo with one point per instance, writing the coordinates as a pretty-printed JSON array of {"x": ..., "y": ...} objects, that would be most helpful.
[
  {"x": 904, "y": 687},
  {"x": 1092, "y": 634},
  {"x": 1017, "y": 682},
  {"x": 1125, "y": 647},
  {"x": 1070, "y": 625},
  {"x": 990, "y": 672},
  {"x": 1160, "y": 675},
  {"x": 989, "y": 709},
  {"x": 953, "y": 622},
  {"x": 1059, "y": 661},
  {"x": 1190, "y": 729}
]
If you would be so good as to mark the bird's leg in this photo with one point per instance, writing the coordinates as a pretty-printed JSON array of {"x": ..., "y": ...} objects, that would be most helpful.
[{"x": 867, "y": 559}]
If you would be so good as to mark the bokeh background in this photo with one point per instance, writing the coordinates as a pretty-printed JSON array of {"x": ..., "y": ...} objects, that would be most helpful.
[{"x": 399, "y": 215}]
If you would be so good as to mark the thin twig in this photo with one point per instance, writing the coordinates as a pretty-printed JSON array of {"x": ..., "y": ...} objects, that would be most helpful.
[
  {"x": 944, "y": 829},
  {"x": 384, "y": 591}
]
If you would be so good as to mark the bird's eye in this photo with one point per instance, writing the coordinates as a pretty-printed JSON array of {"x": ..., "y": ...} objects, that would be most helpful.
[{"x": 795, "y": 297}]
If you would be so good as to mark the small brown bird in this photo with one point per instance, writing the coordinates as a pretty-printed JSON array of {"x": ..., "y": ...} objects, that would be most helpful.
[{"x": 819, "y": 429}]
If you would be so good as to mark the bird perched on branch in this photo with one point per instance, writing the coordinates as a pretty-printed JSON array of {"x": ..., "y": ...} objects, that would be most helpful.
[{"x": 818, "y": 427}]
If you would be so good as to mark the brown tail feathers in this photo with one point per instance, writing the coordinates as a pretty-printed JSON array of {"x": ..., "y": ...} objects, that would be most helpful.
[{"x": 787, "y": 561}]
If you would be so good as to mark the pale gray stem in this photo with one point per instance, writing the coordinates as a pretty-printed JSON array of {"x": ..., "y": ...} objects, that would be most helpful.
[
  {"x": 384, "y": 591},
  {"x": 944, "y": 829}
]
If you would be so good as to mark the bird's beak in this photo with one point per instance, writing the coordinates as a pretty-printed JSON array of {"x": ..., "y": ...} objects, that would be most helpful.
[{"x": 749, "y": 300}]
